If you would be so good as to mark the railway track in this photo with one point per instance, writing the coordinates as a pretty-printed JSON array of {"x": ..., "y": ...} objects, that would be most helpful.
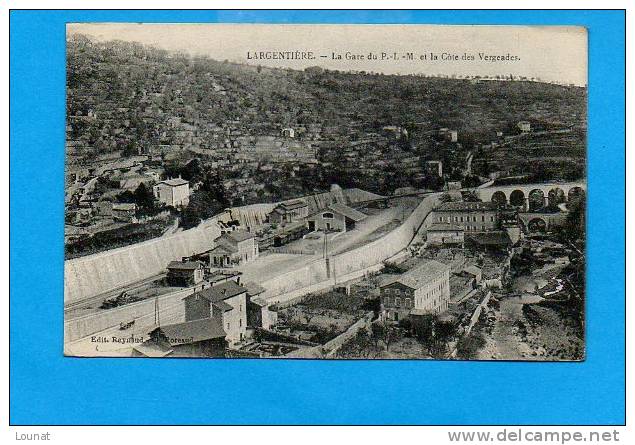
[{"x": 99, "y": 298}]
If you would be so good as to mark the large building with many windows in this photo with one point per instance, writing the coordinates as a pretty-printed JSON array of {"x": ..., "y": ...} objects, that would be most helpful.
[
  {"x": 424, "y": 289},
  {"x": 470, "y": 216}
]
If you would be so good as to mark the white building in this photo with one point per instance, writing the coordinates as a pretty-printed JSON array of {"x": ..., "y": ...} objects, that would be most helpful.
[{"x": 173, "y": 192}]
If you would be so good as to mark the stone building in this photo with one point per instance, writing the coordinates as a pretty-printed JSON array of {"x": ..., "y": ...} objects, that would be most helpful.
[
  {"x": 173, "y": 192},
  {"x": 233, "y": 248},
  {"x": 185, "y": 273},
  {"x": 445, "y": 234},
  {"x": 424, "y": 289},
  {"x": 197, "y": 338},
  {"x": 470, "y": 216},
  {"x": 290, "y": 211},
  {"x": 336, "y": 217},
  {"x": 226, "y": 302}
]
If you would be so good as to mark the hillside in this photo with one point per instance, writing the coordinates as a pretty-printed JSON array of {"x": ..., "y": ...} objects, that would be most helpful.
[{"x": 125, "y": 99}]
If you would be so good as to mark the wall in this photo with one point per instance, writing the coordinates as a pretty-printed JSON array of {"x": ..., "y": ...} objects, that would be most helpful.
[
  {"x": 91, "y": 275},
  {"x": 171, "y": 306},
  {"x": 350, "y": 265}
]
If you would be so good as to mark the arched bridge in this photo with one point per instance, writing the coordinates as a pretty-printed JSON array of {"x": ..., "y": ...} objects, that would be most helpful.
[{"x": 532, "y": 196}]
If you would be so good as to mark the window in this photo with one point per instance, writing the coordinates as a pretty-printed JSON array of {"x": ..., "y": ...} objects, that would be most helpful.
[
  {"x": 228, "y": 326},
  {"x": 407, "y": 303},
  {"x": 240, "y": 323},
  {"x": 328, "y": 215},
  {"x": 397, "y": 301},
  {"x": 474, "y": 218},
  {"x": 491, "y": 218},
  {"x": 483, "y": 218}
]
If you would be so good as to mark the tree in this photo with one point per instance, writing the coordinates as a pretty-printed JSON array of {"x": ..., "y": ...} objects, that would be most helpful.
[
  {"x": 202, "y": 205},
  {"x": 384, "y": 332},
  {"x": 144, "y": 199},
  {"x": 377, "y": 332}
]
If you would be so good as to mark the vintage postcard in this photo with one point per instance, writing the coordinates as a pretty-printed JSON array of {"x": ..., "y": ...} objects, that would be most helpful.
[{"x": 325, "y": 191}]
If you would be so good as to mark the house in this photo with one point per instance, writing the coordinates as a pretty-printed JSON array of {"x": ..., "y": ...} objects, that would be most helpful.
[
  {"x": 185, "y": 273},
  {"x": 226, "y": 302},
  {"x": 289, "y": 211},
  {"x": 336, "y": 217},
  {"x": 233, "y": 248},
  {"x": 424, "y": 289},
  {"x": 496, "y": 241},
  {"x": 443, "y": 234},
  {"x": 449, "y": 135},
  {"x": 475, "y": 272},
  {"x": 471, "y": 216},
  {"x": 288, "y": 133},
  {"x": 173, "y": 192},
  {"x": 197, "y": 338},
  {"x": 434, "y": 168},
  {"x": 125, "y": 212},
  {"x": 259, "y": 314},
  {"x": 524, "y": 126}
]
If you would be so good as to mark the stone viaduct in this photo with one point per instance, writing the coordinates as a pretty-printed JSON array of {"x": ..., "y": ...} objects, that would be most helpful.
[{"x": 529, "y": 197}]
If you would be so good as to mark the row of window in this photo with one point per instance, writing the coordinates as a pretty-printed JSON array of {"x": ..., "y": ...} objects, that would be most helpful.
[
  {"x": 464, "y": 219},
  {"x": 407, "y": 302}
]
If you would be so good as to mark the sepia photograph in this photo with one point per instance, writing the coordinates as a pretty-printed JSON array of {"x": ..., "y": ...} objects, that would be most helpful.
[{"x": 325, "y": 191}]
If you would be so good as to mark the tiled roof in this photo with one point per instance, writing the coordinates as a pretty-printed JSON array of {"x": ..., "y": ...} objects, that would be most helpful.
[
  {"x": 222, "y": 248},
  {"x": 254, "y": 289},
  {"x": 222, "y": 291},
  {"x": 419, "y": 275},
  {"x": 221, "y": 305},
  {"x": 347, "y": 211},
  {"x": 292, "y": 205},
  {"x": 238, "y": 235},
  {"x": 193, "y": 331}
]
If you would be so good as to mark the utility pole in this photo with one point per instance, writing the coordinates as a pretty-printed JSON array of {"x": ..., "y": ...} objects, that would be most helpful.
[{"x": 157, "y": 320}]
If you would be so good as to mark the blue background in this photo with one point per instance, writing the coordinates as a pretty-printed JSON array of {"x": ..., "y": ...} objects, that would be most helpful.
[{"x": 47, "y": 388}]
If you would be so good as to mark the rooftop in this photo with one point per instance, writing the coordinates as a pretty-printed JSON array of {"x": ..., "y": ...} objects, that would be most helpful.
[
  {"x": 238, "y": 235},
  {"x": 193, "y": 331},
  {"x": 497, "y": 238},
  {"x": 419, "y": 275},
  {"x": 221, "y": 291},
  {"x": 292, "y": 205},
  {"x": 185, "y": 265},
  {"x": 465, "y": 206},
  {"x": 174, "y": 182},
  {"x": 222, "y": 306},
  {"x": 347, "y": 211}
]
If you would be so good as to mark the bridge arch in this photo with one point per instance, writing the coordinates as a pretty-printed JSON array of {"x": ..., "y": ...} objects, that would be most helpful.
[
  {"x": 575, "y": 194},
  {"x": 499, "y": 198},
  {"x": 556, "y": 196},
  {"x": 537, "y": 225},
  {"x": 536, "y": 199},
  {"x": 517, "y": 198}
]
